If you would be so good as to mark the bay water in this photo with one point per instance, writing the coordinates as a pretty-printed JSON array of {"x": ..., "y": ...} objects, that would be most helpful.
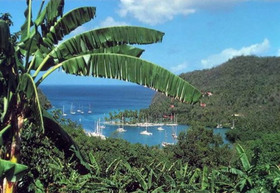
[{"x": 102, "y": 99}]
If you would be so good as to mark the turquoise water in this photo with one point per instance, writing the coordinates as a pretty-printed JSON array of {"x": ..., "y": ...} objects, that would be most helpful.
[{"x": 104, "y": 99}]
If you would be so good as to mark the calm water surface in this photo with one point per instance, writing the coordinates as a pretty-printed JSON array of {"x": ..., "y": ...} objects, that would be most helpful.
[{"x": 104, "y": 99}]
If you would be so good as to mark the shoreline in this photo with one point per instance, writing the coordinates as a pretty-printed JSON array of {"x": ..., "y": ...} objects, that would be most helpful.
[{"x": 141, "y": 124}]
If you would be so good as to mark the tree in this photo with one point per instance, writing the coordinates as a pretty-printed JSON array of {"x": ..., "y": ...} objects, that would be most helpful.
[
  {"x": 200, "y": 147},
  {"x": 105, "y": 52}
]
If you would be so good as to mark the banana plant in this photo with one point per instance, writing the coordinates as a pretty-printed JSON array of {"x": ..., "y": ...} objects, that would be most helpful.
[{"x": 28, "y": 57}]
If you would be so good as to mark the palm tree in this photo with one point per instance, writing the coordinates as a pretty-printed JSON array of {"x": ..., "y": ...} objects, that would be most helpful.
[{"x": 105, "y": 52}]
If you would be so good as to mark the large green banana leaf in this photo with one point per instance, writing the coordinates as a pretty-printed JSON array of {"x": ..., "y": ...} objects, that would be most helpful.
[
  {"x": 120, "y": 49},
  {"x": 68, "y": 23},
  {"x": 97, "y": 40},
  {"x": 106, "y": 37},
  {"x": 12, "y": 171},
  {"x": 49, "y": 15},
  {"x": 132, "y": 69}
]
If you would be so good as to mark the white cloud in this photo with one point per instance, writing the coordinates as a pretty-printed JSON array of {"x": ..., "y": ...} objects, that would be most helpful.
[
  {"x": 179, "y": 68},
  {"x": 159, "y": 11},
  {"x": 216, "y": 59},
  {"x": 109, "y": 21}
]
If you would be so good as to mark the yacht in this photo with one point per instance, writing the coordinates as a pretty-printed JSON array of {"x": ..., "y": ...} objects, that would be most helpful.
[
  {"x": 97, "y": 132},
  {"x": 164, "y": 144},
  {"x": 71, "y": 110},
  {"x": 145, "y": 132},
  {"x": 89, "y": 110},
  {"x": 63, "y": 113},
  {"x": 121, "y": 129}
]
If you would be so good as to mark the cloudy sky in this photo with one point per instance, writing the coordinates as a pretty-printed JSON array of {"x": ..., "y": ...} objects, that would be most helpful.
[{"x": 198, "y": 34}]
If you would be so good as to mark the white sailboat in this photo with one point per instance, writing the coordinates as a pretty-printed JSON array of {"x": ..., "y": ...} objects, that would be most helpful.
[
  {"x": 174, "y": 132},
  {"x": 97, "y": 132},
  {"x": 164, "y": 143},
  {"x": 79, "y": 109},
  {"x": 72, "y": 112},
  {"x": 121, "y": 128},
  {"x": 145, "y": 132},
  {"x": 63, "y": 113},
  {"x": 82, "y": 110},
  {"x": 89, "y": 109}
]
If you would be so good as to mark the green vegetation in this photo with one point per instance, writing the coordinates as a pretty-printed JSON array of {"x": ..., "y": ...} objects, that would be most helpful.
[
  {"x": 118, "y": 166},
  {"x": 105, "y": 52},
  {"x": 55, "y": 155},
  {"x": 246, "y": 91}
]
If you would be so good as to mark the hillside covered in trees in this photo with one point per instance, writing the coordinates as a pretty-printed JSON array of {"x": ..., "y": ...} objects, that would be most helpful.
[{"x": 247, "y": 87}]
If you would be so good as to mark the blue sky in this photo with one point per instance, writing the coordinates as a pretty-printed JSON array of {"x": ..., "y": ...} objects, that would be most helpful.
[{"x": 198, "y": 34}]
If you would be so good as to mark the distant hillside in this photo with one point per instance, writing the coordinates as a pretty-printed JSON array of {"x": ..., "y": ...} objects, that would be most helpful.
[{"x": 247, "y": 86}]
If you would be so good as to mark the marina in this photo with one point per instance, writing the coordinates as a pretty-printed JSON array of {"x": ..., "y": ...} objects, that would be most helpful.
[{"x": 106, "y": 99}]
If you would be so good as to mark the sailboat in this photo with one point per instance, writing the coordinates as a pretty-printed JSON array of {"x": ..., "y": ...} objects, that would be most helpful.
[
  {"x": 89, "y": 109},
  {"x": 174, "y": 134},
  {"x": 63, "y": 113},
  {"x": 121, "y": 129},
  {"x": 82, "y": 111},
  {"x": 174, "y": 129},
  {"x": 71, "y": 110},
  {"x": 164, "y": 143},
  {"x": 98, "y": 131},
  {"x": 145, "y": 132},
  {"x": 79, "y": 109}
]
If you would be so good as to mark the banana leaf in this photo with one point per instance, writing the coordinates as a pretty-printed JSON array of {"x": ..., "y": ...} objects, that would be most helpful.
[
  {"x": 25, "y": 28},
  {"x": 49, "y": 15},
  {"x": 29, "y": 89},
  {"x": 132, "y": 69},
  {"x": 243, "y": 157},
  {"x": 12, "y": 171},
  {"x": 106, "y": 37},
  {"x": 68, "y": 23},
  {"x": 97, "y": 40},
  {"x": 119, "y": 49}
]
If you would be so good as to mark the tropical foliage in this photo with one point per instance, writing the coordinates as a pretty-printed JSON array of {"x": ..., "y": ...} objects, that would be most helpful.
[
  {"x": 118, "y": 166},
  {"x": 37, "y": 47}
]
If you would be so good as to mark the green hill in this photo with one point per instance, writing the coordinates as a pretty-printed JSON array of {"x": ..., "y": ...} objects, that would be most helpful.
[{"x": 246, "y": 86}]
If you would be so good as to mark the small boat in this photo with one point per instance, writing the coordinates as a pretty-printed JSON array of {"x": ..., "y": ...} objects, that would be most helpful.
[
  {"x": 160, "y": 129},
  {"x": 120, "y": 130},
  {"x": 71, "y": 110},
  {"x": 89, "y": 109},
  {"x": 79, "y": 109},
  {"x": 63, "y": 113},
  {"x": 97, "y": 132},
  {"x": 145, "y": 132},
  {"x": 164, "y": 144}
]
